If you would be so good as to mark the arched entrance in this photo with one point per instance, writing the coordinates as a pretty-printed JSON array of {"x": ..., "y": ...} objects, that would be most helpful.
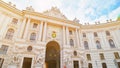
[{"x": 52, "y": 57}]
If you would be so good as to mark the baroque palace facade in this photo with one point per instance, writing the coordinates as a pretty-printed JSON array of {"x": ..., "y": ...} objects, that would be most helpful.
[{"x": 30, "y": 39}]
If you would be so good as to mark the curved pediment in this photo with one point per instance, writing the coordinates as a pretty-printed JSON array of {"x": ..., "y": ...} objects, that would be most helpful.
[{"x": 54, "y": 12}]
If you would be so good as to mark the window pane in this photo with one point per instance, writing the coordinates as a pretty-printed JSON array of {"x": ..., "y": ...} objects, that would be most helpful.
[
  {"x": 14, "y": 21},
  {"x": 116, "y": 55},
  {"x": 33, "y": 37},
  {"x": 70, "y": 32},
  {"x": 3, "y": 49},
  {"x": 9, "y": 34},
  {"x": 107, "y": 33},
  {"x": 95, "y": 34},
  {"x": 71, "y": 42},
  {"x": 111, "y": 43},
  {"x": 88, "y": 57},
  {"x": 35, "y": 25},
  {"x": 84, "y": 35},
  {"x": 86, "y": 45},
  {"x": 101, "y": 56},
  {"x": 98, "y": 45}
]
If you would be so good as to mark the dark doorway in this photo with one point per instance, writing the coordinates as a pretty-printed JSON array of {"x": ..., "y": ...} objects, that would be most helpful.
[
  {"x": 1, "y": 62},
  {"x": 89, "y": 65},
  {"x": 27, "y": 62},
  {"x": 52, "y": 58},
  {"x": 104, "y": 65},
  {"x": 118, "y": 64},
  {"x": 76, "y": 64}
]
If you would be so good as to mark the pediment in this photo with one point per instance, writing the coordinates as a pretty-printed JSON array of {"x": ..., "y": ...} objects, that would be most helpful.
[{"x": 54, "y": 12}]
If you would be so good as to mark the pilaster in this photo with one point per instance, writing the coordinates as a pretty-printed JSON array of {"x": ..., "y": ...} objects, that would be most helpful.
[
  {"x": 40, "y": 31},
  {"x": 44, "y": 32},
  {"x": 26, "y": 29}
]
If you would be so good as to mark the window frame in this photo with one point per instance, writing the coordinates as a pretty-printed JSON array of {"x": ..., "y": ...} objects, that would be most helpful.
[
  {"x": 9, "y": 34},
  {"x": 32, "y": 36}
]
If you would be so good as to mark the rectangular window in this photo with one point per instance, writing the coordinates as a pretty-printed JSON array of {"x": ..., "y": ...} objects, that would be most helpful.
[
  {"x": 70, "y": 32},
  {"x": 102, "y": 56},
  {"x": 88, "y": 57},
  {"x": 35, "y": 25},
  {"x": 84, "y": 35},
  {"x": 116, "y": 55},
  {"x": 1, "y": 62},
  {"x": 3, "y": 49},
  {"x": 76, "y": 64},
  {"x": 15, "y": 21}
]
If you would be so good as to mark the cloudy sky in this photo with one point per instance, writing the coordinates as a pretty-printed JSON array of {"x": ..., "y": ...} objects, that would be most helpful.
[{"x": 84, "y": 10}]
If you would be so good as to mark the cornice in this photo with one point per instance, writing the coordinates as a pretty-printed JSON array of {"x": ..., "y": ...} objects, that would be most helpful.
[
  {"x": 38, "y": 14},
  {"x": 10, "y": 8},
  {"x": 102, "y": 25},
  {"x": 49, "y": 17}
]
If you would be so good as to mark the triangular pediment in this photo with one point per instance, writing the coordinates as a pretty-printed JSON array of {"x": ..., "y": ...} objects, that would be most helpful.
[{"x": 54, "y": 12}]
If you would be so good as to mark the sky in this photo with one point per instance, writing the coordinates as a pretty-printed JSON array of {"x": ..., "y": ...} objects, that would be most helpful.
[{"x": 85, "y": 10}]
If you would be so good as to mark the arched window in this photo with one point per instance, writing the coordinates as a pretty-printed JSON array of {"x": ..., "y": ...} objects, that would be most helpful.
[
  {"x": 33, "y": 37},
  {"x": 89, "y": 65},
  {"x": 86, "y": 45},
  {"x": 9, "y": 34},
  {"x": 104, "y": 65},
  {"x": 95, "y": 34},
  {"x": 84, "y": 35},
  {"x": 107, "y": 33},
  {"x": 71, "y": 42},
  {"x": 111, "y": 43},
  {"x": 98, "y": 44}
]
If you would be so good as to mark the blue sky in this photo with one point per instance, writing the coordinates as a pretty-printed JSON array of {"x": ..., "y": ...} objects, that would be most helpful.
[{"x": 84, "y": 10}]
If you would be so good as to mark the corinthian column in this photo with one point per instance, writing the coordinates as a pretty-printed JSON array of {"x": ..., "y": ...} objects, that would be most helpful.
[
  {"x": 2, "y": 17},
  {"x": 7, "y": 20},
  {"x": 44, "y": 32},
  {"x": 40, "y": 31},
  {"x": 77, "y": 37},
  {"x": 64, "y": 35},
  {"x": 26, "y": 29},
  {"x": 22, "y": 28},
  {"x": 67, "y": 36}
]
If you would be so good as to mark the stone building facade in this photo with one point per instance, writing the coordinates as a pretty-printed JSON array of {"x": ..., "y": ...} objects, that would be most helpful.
[{"x": 30, "y": 39}]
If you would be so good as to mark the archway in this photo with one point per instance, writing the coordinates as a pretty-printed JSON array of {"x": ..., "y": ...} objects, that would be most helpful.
[{"x": 52, "y": 57}]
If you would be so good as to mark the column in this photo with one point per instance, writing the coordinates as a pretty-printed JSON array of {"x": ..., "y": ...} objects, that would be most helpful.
[
  {"x": 4, "y": 26},
  {"x": 77, "y": 38},
  {"x": 44, "y": 32},
  {"x": 2, "y": 17},
  {"x": 26, "y": 29},
  {"x": 67, "y": 36},
  {"x": 40, "y": 31},
  {"x": 64, "y": 41},
  {"x": 22, "y": 26}
]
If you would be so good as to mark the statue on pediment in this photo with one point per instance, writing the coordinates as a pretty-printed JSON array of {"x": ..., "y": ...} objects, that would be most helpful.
[
  {"x": 54, "y": 12},
  {"x": 76, "y": 20}
]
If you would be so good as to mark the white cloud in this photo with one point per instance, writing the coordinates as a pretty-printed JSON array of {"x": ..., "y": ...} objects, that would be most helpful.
[{"x": 114, "y": 14}]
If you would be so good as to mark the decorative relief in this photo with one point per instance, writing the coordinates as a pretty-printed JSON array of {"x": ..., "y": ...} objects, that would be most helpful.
[
  {"x": 55, "y": 12},
  {"x": 53, "y": 34}
]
